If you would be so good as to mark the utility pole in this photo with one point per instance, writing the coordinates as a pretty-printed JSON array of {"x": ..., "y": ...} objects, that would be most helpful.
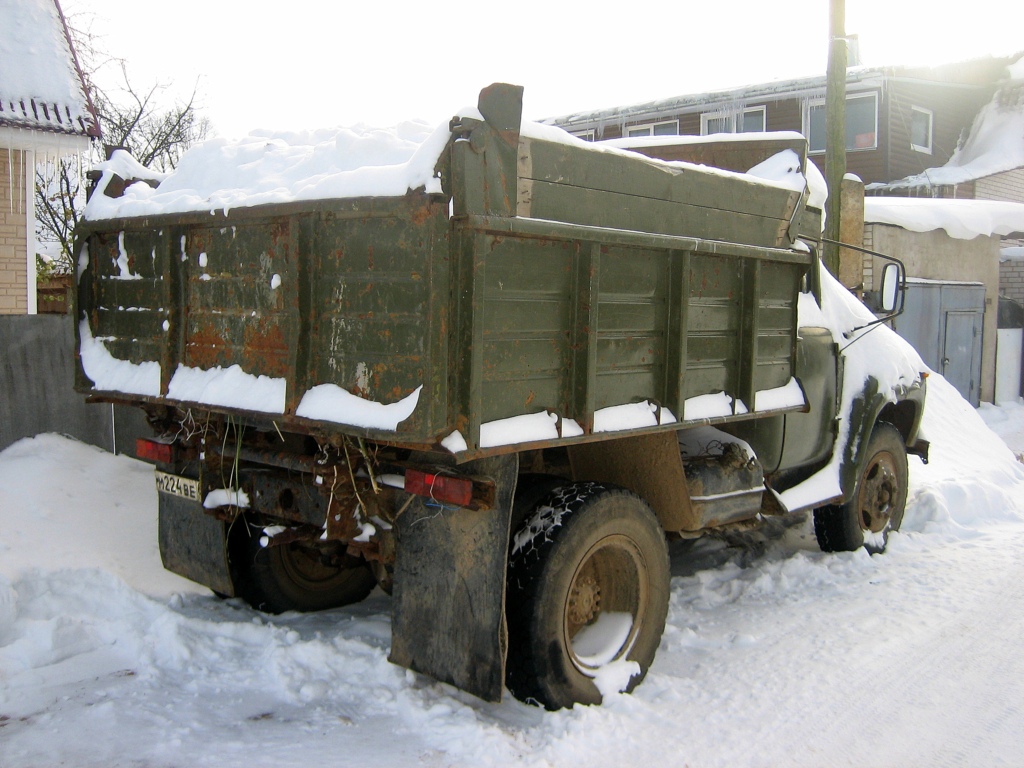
[{"x": 835, "y": 128}]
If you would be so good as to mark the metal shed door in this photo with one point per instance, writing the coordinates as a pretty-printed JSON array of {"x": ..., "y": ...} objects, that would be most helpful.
[{"x": 961, "y": 353}]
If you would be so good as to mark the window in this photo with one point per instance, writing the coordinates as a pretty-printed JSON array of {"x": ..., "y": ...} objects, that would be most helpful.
[
  {"x": 921, "y": 129},
  {"x": 749, "y": 120},
  {"x": 666, "y": 128},
  {"x": 590, "y": 135},
  {"x": 861, "y": 123}
]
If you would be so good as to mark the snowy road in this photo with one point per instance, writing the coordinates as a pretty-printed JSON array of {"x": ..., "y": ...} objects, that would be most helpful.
[{"x": 775, "y": 654}]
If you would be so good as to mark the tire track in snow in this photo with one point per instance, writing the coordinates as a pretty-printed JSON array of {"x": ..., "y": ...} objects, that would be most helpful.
[{"x": 950, "y": 695}]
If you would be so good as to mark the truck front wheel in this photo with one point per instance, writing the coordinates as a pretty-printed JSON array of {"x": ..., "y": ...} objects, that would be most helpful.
[
  {"x": 298, "y": 577},
  {"x": 587, "y": 596},
  {"x": 878, "y": 500}
]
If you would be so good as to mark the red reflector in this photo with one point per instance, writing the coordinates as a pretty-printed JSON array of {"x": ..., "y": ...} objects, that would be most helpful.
[
  {"x": 452, "y": 490},
  {"x": 151, "y": 450}
]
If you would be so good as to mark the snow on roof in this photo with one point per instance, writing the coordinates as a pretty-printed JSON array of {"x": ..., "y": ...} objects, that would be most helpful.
[
  {"x": 994, "y": 145},
  {"x": 41, "y": 85},
  {"x": 1012, "y": 253},
  {"x": 961, "y": 219}
]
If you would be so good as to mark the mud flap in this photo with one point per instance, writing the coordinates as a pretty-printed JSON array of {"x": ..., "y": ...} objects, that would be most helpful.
[
  {"x": 193, "y": 544},
  {"x": 448, "y": 609}
]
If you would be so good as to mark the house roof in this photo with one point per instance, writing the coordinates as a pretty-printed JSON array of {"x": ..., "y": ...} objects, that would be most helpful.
[{"x": 41, "y": 85}]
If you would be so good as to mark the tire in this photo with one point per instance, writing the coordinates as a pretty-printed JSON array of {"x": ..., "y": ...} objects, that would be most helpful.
[
  {"x": 591, "y": 554},
  {"x": 878, "y": 500},
  {"x": 294, "y": 577}
]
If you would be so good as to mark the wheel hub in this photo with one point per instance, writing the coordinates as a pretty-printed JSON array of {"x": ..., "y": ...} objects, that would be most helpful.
[
  {"x": 879, "y": 489},
  {"x": 584, "y": 601}
]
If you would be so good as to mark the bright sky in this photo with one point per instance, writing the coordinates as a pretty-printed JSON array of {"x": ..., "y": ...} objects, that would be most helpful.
[{"x": 310, "y": 63}]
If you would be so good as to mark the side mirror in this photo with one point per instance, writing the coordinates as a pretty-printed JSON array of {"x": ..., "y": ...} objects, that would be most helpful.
[{"x": 891, "y": 283}]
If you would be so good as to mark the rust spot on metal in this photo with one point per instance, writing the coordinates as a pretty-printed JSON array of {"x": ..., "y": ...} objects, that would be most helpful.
[
  {"x": 206, "y": 348},
  {"x": 265, "y": 349}
]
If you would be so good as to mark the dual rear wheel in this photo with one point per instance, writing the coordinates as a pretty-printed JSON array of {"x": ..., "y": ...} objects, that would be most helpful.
[{"x": 587, "y": 596}]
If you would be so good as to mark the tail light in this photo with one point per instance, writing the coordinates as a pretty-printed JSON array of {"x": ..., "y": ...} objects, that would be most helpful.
[
  {"x": 445, "y": 488},
  {"x": 148, "y": 449}
]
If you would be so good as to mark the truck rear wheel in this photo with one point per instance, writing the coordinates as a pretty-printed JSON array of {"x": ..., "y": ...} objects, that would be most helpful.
[
  {"x": 296, "y": 577},
  {"x": 588, "y": 588},
  {"x": 878, "y": 500}
]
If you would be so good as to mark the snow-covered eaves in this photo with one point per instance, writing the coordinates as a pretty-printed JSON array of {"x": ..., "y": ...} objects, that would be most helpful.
[
  {"x": 961, "y": 219},
  {"x": 962, "y": 74},
  {"x": 41, "y": 84},
  {"x": 766, "y": 91}
]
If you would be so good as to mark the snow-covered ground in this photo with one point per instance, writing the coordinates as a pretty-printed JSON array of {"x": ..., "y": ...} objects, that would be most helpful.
[{"x": 774, "y": 654}]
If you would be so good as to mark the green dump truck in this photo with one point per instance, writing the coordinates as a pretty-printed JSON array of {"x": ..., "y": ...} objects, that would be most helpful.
[{"x": 497, "y": 395}]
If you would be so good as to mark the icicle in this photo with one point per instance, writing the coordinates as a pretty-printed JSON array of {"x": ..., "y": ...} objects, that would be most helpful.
[{"x": 10, "y": 173}]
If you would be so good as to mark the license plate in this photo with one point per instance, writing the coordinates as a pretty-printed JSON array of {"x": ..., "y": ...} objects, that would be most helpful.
[{"x": 185, "y": 487}]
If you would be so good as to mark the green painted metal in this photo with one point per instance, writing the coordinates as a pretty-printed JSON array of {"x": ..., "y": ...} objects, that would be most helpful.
[{"x": 547, "y": 277}]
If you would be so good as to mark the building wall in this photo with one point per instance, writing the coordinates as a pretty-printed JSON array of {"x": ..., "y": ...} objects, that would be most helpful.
[
  {"x": 14, "y": 277},
  {"x": 953, "y": 111},
  {"x": 937, "y": 256},
  {"x": 1007, "y": 186},
  {"x": 1011, "y": 280}
]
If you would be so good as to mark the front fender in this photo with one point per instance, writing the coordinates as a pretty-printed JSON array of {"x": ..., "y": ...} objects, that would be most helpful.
[{"x": 902, "y": 407}]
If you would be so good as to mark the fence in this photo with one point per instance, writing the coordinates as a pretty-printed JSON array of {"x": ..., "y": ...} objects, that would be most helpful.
[{"x": 37, "y": 368}]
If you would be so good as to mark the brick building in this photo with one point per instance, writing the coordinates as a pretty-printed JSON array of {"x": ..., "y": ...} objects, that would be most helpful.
[{"x": 45, "y": 112}]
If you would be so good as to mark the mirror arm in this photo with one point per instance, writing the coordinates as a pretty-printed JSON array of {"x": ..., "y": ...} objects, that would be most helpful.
[{"x": 903, "y": 281}]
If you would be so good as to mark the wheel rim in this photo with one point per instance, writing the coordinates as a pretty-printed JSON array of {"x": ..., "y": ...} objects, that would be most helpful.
[
  {"x": 606, "y": 604},
  {"x": 304, "y": 568},
  {"x": 879, "y": 492}
]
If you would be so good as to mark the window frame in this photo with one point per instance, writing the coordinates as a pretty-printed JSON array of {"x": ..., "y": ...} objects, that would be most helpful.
[
  {"x": 650, "y": 129},
  {"x": 810, "y": 104},
  {"x": 731, "y": 115},
  {"x": 588, "y": 135},
  {"x": 931, "y": 129}
]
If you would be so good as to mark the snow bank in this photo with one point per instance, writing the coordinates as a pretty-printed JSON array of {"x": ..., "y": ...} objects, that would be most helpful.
[{"x": 962, "y": 219}]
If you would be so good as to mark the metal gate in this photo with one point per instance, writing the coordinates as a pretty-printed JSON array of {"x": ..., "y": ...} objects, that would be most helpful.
[{"x": 944, "y": 322}]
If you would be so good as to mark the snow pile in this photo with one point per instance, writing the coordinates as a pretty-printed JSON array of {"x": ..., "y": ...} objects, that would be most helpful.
[{"x": 962, "y": 219}]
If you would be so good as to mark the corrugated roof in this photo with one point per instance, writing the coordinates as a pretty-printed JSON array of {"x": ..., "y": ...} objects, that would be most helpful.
[{"x": 41, "y": 83}]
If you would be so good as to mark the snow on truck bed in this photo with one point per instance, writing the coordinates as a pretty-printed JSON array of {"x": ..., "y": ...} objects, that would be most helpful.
[{"x": 282, "y": 167}]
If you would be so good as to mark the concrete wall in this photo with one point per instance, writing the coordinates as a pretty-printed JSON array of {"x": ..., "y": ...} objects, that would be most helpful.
[
  {"x": 37, "y": 365},
  {"x": 14, "y": 276},
  {"x": 937, "y": 256}
]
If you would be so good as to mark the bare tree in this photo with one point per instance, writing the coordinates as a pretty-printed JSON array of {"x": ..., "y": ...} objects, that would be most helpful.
[{"x": 130, "y": 117}]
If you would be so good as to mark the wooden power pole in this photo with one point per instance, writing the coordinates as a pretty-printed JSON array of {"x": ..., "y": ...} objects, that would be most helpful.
[{"x": 835, "y": 128}]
